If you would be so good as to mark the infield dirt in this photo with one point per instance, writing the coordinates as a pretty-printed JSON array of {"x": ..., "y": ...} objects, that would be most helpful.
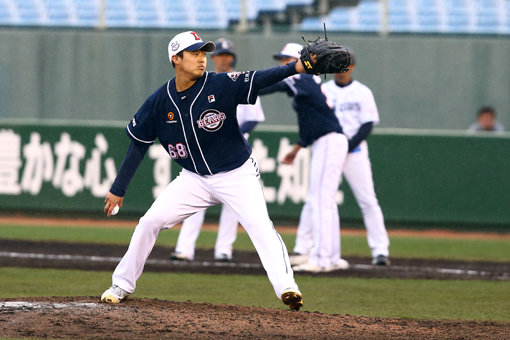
[{"x": 87, "y": 318}]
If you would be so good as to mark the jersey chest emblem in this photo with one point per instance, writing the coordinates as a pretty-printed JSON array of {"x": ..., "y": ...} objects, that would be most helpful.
[
  {"x": 170, "y": 118},
  {"x": 211, "y": 120}
]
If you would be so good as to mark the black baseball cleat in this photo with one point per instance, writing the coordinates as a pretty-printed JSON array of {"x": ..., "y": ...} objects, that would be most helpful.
[
  {"x": 381, "y": 260},
  {"x": 293, "y": 299}
]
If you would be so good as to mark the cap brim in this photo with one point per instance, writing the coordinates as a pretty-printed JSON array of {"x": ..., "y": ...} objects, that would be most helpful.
[
  {"x": 202, "y": 46},
  {"x": 223, "y": 51},
  {"x": 281, "y": 56}
]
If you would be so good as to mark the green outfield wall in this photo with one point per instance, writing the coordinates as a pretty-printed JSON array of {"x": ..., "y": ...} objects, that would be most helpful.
[
  {"x": 418, "y": 81},
  {"x": 421, "y": 177}
]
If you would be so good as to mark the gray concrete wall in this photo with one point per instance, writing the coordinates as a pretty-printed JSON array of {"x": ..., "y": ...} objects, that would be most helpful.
[{"x": 418, "y": 81}]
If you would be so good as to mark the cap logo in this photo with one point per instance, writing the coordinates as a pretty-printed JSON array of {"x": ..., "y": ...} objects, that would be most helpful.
[
  {"x": 174, "y": 46},
  {"x": 195, "y": 34}
]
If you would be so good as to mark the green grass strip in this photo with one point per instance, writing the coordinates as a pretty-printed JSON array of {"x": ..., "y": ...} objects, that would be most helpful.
[
  {"x": 422, "y": 299},
  {"x": 401, "y": 246}
]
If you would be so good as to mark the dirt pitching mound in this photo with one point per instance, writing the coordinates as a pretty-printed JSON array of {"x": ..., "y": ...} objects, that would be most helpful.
[{"x": 87, "y": 318}]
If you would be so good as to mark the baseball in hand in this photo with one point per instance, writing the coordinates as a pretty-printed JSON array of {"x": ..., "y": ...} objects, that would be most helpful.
[{"x": 115, "y": 210}]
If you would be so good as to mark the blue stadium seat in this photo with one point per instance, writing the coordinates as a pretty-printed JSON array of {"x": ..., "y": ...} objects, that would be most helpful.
[
  {"x": 300, "y": 2},
  {"x": 147, "y": 18},
  {"x": 116, "y": 5},
  {"x": 59, "y": 16},
  {"x": 339, "y": 26},
  {"x": 369, "y": 23},
  {"x": 428, "y": 24},
  {"x": 431, "y": 16},
  {"x": 369, "y": 16},
  {"x": 233, "y": 8},
  {"x": 55, "y": 3},
  {"x": 87, "y": 17},
  {"x": 486, "y": 3},
  {"x": 458, "y": 24},
  {"x": 458, "y": 11},
  {"x": 488, "y": 12},
  {"x": 144, "y": 5},
  {"x": 341, "y": 19},
  {"x": 455, "y": 3},
  {"x": 313, "y": 24},
  {"x": 271, "y": 5},
  {"x": 211, "y": 17},
  {"x": 30, "y": 16},
  {"x": 400, "y": 23},
  {"x": 369, "y": 7},
  {"x": 147, "y": 14},
  {"x": 117, "y": 18},
  {"x": 177, "y": 14},
  {"x": 341, "y": 14},
  {"x": 398, "y": 3},
  {"x": 6, "y": 17},
  {"x": 86, "y": 5},
  {"x": 426, "y": 3},
  {"x": 399, "y": 10},
  {"x": 488, "y": 24},
  {"x": 428, "y": 11},
  {"x": 176, "y": 6}
]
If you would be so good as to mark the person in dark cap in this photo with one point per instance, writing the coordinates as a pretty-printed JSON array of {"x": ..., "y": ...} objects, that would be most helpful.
[{"x": 320, "y": 130}]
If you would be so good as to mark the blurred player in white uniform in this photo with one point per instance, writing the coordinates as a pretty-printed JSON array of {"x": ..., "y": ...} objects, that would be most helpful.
[
  {"x": 320, "y": 130},
  {"x": 356, "y": 110},
  {"x": 248, "y": 116}
]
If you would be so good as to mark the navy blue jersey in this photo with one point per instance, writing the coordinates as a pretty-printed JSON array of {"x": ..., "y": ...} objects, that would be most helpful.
[
  {"x": 198, "y": 127},
  {"x": 315, "y": 117}
]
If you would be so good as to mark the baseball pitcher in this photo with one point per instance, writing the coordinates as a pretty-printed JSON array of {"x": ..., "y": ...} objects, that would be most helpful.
[{"x": 194, "y": 117}]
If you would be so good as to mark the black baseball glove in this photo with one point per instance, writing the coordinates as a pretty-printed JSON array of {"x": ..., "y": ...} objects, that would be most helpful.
[{"x": 330, "y": 57}]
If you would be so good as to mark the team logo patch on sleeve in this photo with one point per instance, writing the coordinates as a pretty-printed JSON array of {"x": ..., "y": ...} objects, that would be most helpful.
[
  {"x": 234, "y": 75},
  {"x": 211, "y": 120}
]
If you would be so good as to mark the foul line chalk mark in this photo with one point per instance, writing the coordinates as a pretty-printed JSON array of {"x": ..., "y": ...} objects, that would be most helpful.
[{"x": 366, "y": 267}]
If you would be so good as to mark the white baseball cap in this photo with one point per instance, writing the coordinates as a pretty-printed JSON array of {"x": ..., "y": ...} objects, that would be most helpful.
[
  {"x": 291, "y": 50},
  {"x": 188, "y": 41}
]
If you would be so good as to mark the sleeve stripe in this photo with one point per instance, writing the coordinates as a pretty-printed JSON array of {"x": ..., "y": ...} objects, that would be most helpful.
[
  {"x": 134, "y": 137},
  {"x": 251, "y": 85}
]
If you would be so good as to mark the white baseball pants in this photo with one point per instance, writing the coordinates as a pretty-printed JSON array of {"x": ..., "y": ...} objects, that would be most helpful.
[
  {"x": 240, "y": 190},
  {"x": 319, "y": 224},
  {"x": 227, "y": 233},
  {"x": 358, "y": 174}
]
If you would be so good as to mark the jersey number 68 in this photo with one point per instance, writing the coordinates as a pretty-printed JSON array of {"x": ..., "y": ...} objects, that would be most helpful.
[{"x": 177, "y": 151}]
